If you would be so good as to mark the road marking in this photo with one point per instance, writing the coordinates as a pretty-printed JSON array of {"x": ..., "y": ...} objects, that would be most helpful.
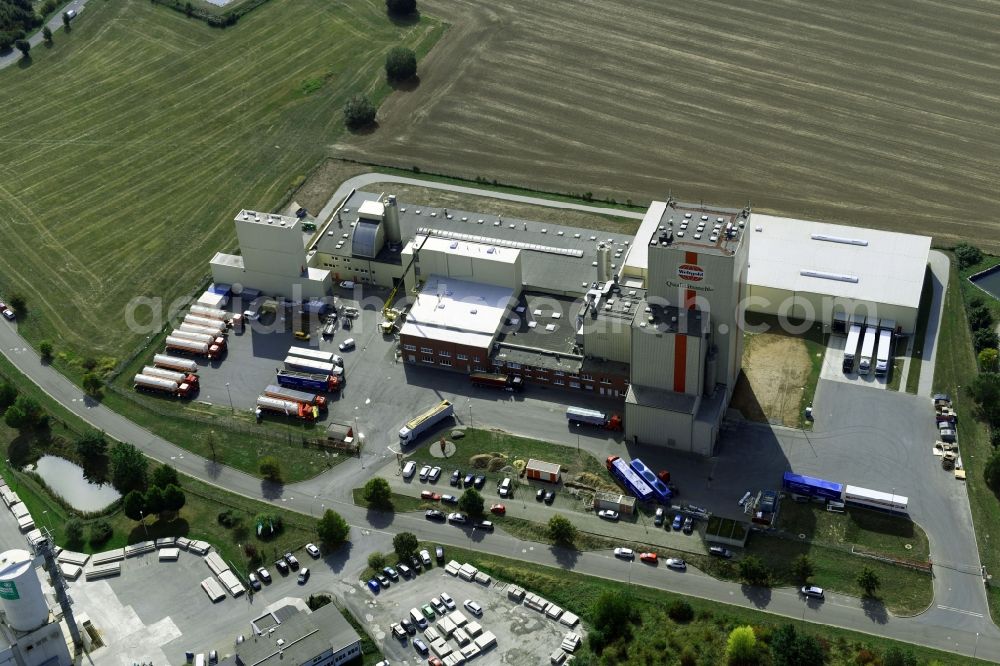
[{"x": 959, "y": 610}]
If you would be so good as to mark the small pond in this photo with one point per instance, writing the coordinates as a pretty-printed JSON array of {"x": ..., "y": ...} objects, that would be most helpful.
[
  {"x": 66, "y": 478},
  {"x": 988, "y": 281}
]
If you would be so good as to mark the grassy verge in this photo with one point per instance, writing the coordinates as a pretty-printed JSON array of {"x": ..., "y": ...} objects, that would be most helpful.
[
  {"x": 399, "y": 502},
  {"x": 895, "y": 373},
  {"x": 705, "y": 636},
  {"x": 923, "y": 315},
  {"x": 956, "y": 366},
  {"x": 871, "y": 530}
]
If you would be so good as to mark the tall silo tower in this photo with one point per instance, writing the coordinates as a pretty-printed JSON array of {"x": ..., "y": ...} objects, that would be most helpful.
[{"x": 21, "y": 592}]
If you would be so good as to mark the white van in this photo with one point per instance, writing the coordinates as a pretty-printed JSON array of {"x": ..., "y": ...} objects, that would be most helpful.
[
  {"x": 409, "y": 469},
  {"x": 504, "y": 488},
  {"x": 418, "y": 619}
]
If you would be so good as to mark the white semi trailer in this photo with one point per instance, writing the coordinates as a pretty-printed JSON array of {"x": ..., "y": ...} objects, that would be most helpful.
[{"x": 867, "y": 349}]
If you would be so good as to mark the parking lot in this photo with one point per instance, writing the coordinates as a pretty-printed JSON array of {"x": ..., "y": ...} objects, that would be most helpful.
[
  {"x": 833, "y": 366},
  {"x": 523, "y": 636}
]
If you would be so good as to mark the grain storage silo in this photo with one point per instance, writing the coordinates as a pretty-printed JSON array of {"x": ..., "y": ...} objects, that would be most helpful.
[
  {"x": 603, "y": 262},
  {"x": 393, "y": 235},
  {"x": 21, "y": 591}
]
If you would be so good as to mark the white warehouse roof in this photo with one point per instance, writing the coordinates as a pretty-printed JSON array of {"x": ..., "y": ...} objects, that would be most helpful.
[
  {"x": 458, "y": 311},
  {"x": 836, "y": 260}
]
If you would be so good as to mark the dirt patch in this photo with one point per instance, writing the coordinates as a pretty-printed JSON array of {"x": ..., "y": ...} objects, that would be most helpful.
[
  {"x": 775, "y": 372},
  {"x": 324, "y": 181}
]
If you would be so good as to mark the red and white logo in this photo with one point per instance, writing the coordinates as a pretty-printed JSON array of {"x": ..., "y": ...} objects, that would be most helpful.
[{"x": 691, "y": 272}]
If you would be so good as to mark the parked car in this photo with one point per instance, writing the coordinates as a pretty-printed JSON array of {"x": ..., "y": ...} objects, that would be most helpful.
[
  {"x": 415, "y": 564},
  {"x": 264, "y": 575},
  {"x": 382, "y": 580},
  {"x": 607, "y": 514},
  {"x": 811, "y": 591},
  {"x": 505, "y": 488},
  {"x": 678, "y": 521},
  {"x": 391, "y": 573},
  {"x": 409, "y": 469},
  {"x": 498, "y": 509},
  {"x": 347, "y": 284},
  {"x": 428, "y": 612},
  {"x": 540, "y": 495},
  {"x": 659, "y": 517},
  {"x": 313, "y": 550},
  {"x": 456, "y": 477},
  {"x": 484, "y": 525},
  {"x": 425, "y": 471},
  {"x": 292, "y": 562},
  {"x": 719, "y": 551},
  {"x": 346, "y": 324},
  {"x": 398, "y": 632},
  {"x": 420, "y": 646},
  {"x": 425, "y": 557},
  {"x": 435, "y": 474},
  {"x": 676, "y": 563},
  {"x": 404, "y": 570},
  {"x": 948, "y": 435},
  {"x": 328, "y": 329},
  {"x": 303, "y": 575},
  {"x": 473, "y": 607},
  {"x": 449, "y": 499},
  {"x": 301, "y": 335},
  {"x": 434, "y": 514},
  {"x": 469, "y": 478},
  {"x": 439, "y": 554},
  {"x": 346, "y": 345},
  {"x": 429, "y": 495},
  {"x": 550, "y": 496},
  {"x": 374, "y": 585},
  {"x": 8, "y": 314},
  {"x": 457, "y": 518},
  {"x": 408, "y": 626},
  {"x": 438, "y": 606},
  {"x": 282, "y": 566},
  {"x": 649, "y": 558},
  {"x": 254, "y": 581},
  {"x": 448, "y": 601},
  {"x": 624, "y": 553},
  {"x": 479, "y": 482},
  {"x": 688, "y": 525}
]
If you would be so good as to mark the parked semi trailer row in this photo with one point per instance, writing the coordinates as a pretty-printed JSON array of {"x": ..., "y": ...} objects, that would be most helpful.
[
  {"x": 172, "y": 375},
  {"x": 832, "y": 491},
  {"x": 175, "y": 363},
  {"x": 309, "y": 381},
  {"x": 286, "y": 408},
  {"x": 302, "y": 397},
  {"x": 192, "y": 347}
]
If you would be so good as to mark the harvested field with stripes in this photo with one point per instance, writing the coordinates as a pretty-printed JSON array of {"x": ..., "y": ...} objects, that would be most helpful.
[
  {"x": 128, "y": 147},
  {"x": 878, "y": 114}
]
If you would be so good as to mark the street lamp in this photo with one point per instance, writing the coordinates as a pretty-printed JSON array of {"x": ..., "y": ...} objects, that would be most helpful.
[
  {"x": 228, "y": 391},
  {"x": 142, "y": 519},
  {"x": 361, "y": 448},
  {"x": 578, "y": 438},
  {"x": 975, "y": 650},
  {"x": 469, "y": 400}
]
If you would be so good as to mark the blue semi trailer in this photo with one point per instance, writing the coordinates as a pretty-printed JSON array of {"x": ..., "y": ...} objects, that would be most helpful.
[{"x": 308, "y": 381}]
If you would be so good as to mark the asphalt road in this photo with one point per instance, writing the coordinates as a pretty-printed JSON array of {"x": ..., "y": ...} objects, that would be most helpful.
[
  {"x": 980, "y": 637},
  {"x": 55, "y": 24}
]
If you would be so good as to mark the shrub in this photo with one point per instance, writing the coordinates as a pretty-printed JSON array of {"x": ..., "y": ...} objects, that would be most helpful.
[
  {"x": 228, "y": 518},
  {"x": 405, "y": 544},
  {"x": 967, "y": 255},
  {"x": 401, "y": 7},
  {"x": 100, "y": 532},
  {"x": 45, "y": 347},
  {"x": 868, "y": 581},
  {"x": 680, "y": 611},
  {"x": 753, "y": 571},
  {"x": 26, "y": 413},
  {"x": 359, "y": 112},
  {"x": 91, "y": 445},
  {"x": 980, "y": 317},
  {"x": 992, "y": 472},
  {"x": 562, "y": 531},
  {"x": 376, "y": 561},
  {"x": 74, "y": 531},
  {"x": 989, "y": 360},
  {"x": 8, "y": 394},
  {"x": 270, "y": 468},
  {"x": 985, "y": 338},
  {"x": 163, "y": 476},
  {"x": 268, "y": 526},
  {"x": 741, "y": 647},
  {"x": 128, "y": 468},
  {"x": 400, "y": 64},
  {"x": 317, "y": 601}
]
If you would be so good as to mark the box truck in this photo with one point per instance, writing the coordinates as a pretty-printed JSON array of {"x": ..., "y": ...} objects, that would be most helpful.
[{"x": 417, "y": 426}]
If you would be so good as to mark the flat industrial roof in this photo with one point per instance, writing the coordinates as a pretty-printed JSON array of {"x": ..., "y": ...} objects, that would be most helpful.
[
  {"x": 267, "y": 219},
  {"x": 458, "y": 311},
  {"x": 541, "y": 268},
  {"x": 683, "y": 220},
  {"x": 836, "y": 260},
  {"x": 462, "y": 248}
]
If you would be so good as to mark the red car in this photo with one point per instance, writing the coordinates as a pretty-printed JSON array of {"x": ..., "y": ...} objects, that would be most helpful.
[
  {"x": 498, "y": 509},
  {"x": 430, "y": 495},
  {"x": 648, "y": 557}
]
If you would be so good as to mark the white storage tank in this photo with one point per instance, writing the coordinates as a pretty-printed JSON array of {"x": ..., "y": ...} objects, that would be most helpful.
[{"x": 21, "y": 591}]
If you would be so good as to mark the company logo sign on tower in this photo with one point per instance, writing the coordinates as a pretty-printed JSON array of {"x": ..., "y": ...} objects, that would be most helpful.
[{"x": 691, "y": 272}]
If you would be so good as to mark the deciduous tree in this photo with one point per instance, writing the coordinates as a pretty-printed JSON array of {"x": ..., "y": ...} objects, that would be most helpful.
[
  {"x": 378, "y": 494},
  {"x": 562, "y": 531},
  {"x": 270, "y": 468},
  {"x": 868, "y": 581},
  {"x": 401, "y": 7},
  {"x": 24, "y": 46},
  {"x": 174, "y": 498},
  {"x": 163, "y": 476},
  {"x": 753, "y": 571},
  {"x": 741, "y": 647},
  {"x": 405, "y": 544},
  {"x": 128, "y": 468},
  {"x": 989, "y": 360},
  {"x": 471, "y": 502},
  {"x": 134, "y": 505},
  {"x": 803, "y": 569},
  {"x": 332, "y": 529},
  {"x": 967, "y": 255},
  {"x": 400, "y": 64},
  {"x": 359, "y": 112}
]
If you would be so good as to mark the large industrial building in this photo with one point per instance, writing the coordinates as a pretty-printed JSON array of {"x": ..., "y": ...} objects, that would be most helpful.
[
  {"x": 32, "y": 631},
  {"x": 654, "y": 319}
]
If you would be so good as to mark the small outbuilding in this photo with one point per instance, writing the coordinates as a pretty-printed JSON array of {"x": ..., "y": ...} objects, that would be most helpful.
[
  {"x": 539, "y": 470},
  {"x": 623, "y": 504}
]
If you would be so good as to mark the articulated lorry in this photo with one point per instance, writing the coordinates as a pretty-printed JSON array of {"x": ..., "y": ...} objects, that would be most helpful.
[
  {"x": 160, "y": 385},
  {"x": 867, "y": 350},
  {"x": 883, "y": 358},
  {"x": 594, "y": 418},
  {"x": 172, "y": 375},
  {"x": 851, "y": 348},
  {"x": 311, "y": 399},
  {"x": 287, "y": 408},
  {"x": 174, "y": 363},
  {"x": 638, "y": 480},
  {"x": 218, "y": 326},
  {"x": 193, "y": 347},
  {"x": 209, "y": 313},
  {"x": 308, "y": 381},
  {"x": 219, "y": 341},
  {"x": 415, "y": 427},
  {"x": 309, "y": 365},
  {"x": 204, "y": 330},
  {"x": 497, "y": 380}
]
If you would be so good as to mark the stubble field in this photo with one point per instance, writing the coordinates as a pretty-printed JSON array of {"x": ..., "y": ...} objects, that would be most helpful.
[
  {"x": 878, "y": 114},
  {"x": 127, "y": 148}
]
